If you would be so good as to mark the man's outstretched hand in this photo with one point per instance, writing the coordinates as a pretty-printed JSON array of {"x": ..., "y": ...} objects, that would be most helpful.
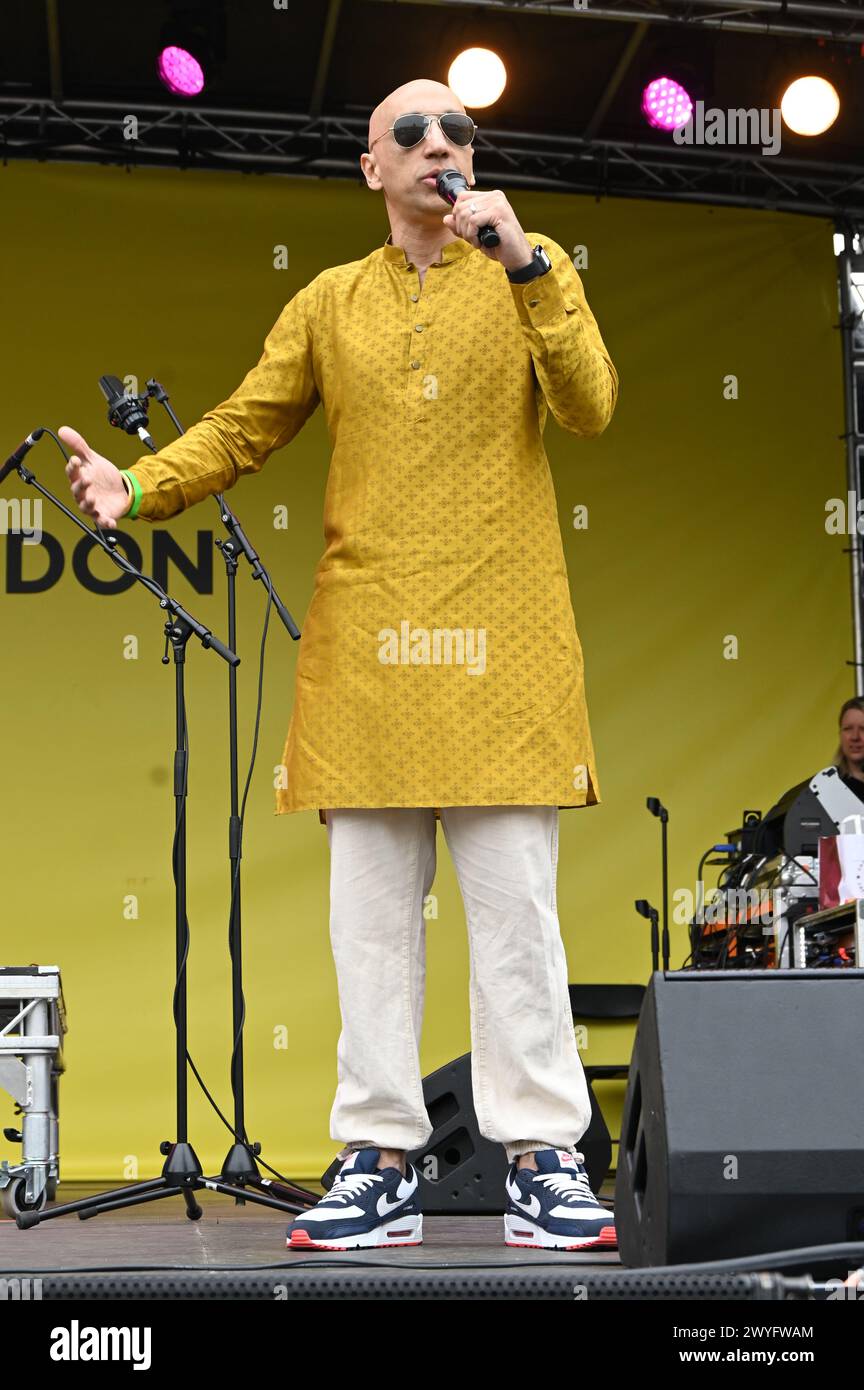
[{"x": 95, "y": 481}]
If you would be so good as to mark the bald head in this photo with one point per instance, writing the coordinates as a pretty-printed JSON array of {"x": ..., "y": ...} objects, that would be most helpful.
[
  {"x": 406, "y": 175},
  {"x": 422, "y": 94}
]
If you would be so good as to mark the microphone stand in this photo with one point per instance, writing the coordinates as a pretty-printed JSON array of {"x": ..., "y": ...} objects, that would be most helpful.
[
  {"x": 656, "y": 807},
  {"x": 645, "y": 909},
  {"x": 181, "y": 1172},
  {"x": 239, "y": 1164}
]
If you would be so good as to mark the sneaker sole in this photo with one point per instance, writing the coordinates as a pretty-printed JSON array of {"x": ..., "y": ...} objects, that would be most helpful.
[
  {"x": 518, "y": 1232},
  {"x": 405, "y": 1231}
]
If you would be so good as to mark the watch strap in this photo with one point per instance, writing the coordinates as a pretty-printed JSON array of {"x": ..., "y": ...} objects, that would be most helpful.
[{"x": 537, "y": 266}]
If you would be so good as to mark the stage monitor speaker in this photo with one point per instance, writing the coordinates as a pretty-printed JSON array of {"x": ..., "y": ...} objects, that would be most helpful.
[
  {"x": 743, "y": 1125},
  {"x": 462, "y": 1172}
]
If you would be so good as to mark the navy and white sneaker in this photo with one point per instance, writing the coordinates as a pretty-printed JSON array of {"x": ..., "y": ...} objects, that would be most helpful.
[
  {"x": 554, "y": 1207},
  {"x": 364, "y": 1209}
]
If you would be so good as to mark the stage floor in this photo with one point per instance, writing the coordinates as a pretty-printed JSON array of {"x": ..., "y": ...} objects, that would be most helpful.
[{"x": 154, "y": 1250}]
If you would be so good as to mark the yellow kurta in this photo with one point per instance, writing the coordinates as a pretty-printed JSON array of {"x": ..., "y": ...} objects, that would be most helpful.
[{"x": 439, "y": 663}]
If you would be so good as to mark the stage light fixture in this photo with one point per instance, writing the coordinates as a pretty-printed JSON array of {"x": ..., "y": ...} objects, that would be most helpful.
[
  {"x": 192, "y": 44},
  {"x": 810, "y": 105},
  {"x": 477, "y": 76},
  {"x": 666, "y": 105},
  {"x": 180, "y": 71}
]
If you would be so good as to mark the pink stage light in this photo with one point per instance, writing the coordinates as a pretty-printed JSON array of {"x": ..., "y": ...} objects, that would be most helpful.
[
  {"x": 665, "y": 104},
  {"x": 181, "y": 72}
]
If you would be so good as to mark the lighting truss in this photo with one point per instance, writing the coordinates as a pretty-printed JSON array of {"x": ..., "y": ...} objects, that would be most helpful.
[
  {"x": 817, "y": 19},
  {"x": 330, "y": 146}
]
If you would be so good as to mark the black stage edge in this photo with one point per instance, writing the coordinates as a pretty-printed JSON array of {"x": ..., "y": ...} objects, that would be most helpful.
[{"x": 299, "y": 1281}]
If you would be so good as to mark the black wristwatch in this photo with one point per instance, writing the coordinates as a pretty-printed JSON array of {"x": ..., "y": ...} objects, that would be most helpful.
[{"x": 539, "y": 264}]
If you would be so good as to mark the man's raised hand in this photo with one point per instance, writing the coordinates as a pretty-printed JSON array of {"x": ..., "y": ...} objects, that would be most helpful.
[{"x": 95, "y": 481}]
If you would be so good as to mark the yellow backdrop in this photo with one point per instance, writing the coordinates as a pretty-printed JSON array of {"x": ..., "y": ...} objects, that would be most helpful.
[{"x": 706, "y": 521}]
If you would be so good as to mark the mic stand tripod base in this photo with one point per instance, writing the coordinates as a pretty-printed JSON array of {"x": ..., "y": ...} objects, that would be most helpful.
[
  {"x": 181, "y": 1176},
  {"x": 240, "y": 1165},
  {"x": 240, "y": 1168}
]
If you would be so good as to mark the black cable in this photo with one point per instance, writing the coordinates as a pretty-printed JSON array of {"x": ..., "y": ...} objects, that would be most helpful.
[
  {"x": 181, "y": 969},
  {"x": 784, "y": 941},
  {"x": 697, "y": 929},
  {"x": 175, "y": 861},
  {"x": 311, "y": 1262},
  {"x": 850, "y": 1251},
  {"x": 236, "y": 876},
  {"x": 243, "y": 1138}
]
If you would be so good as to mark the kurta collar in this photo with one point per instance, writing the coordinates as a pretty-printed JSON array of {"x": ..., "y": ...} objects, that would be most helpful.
[{"x": 452, "y": 251}]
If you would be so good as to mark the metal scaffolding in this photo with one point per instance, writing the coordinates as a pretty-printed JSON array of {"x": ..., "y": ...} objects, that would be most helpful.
[
  {"x": 841, "y": 23},
  {"x": 147, "y": 134}
]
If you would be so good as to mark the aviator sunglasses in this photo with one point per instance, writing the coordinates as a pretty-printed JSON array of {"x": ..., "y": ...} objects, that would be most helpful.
[{"x": 410, "y": 129}]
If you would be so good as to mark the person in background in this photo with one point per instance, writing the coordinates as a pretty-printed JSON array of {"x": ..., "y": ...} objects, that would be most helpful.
[{"x": 849, "y": 758}]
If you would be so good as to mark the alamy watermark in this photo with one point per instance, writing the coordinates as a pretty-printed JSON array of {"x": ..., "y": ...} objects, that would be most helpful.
[
  {"x": 22, "y": 517},
  {"x": 736, "y": 126},
  {"x": 727, "y": 905},
  {"x": 437, "y": 646}
]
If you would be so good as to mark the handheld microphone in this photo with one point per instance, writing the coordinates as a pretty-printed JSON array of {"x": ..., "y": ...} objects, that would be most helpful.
[
  {"x": 126, "y": 412},
  {"x": 450, "y": 182},
  {"x": 20, "y": 453}
]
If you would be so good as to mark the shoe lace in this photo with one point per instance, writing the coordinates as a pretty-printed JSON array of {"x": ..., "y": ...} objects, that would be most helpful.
[
  {"x": 351, "y": 1184},
  {"x": 573, "y": 1187}
]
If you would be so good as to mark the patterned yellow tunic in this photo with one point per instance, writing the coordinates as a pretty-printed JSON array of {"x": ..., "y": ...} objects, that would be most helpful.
[{"x": 439, "y": 663}]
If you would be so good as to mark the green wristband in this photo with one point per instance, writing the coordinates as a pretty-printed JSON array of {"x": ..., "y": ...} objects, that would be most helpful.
[{"x": 137, "y": 493}]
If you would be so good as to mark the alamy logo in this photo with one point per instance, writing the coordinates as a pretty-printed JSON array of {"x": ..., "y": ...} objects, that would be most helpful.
[
  {"x": 16, "y": 1290},
  {"x": 740, "y": 126},
  {"x": 22, "y": 517},
  {"x": 422, "y": 646},
  {"x": 77, "y": 1343}
]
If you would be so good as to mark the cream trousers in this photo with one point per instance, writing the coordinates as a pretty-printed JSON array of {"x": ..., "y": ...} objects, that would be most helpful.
[{"x": 528, "y": 1082}]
